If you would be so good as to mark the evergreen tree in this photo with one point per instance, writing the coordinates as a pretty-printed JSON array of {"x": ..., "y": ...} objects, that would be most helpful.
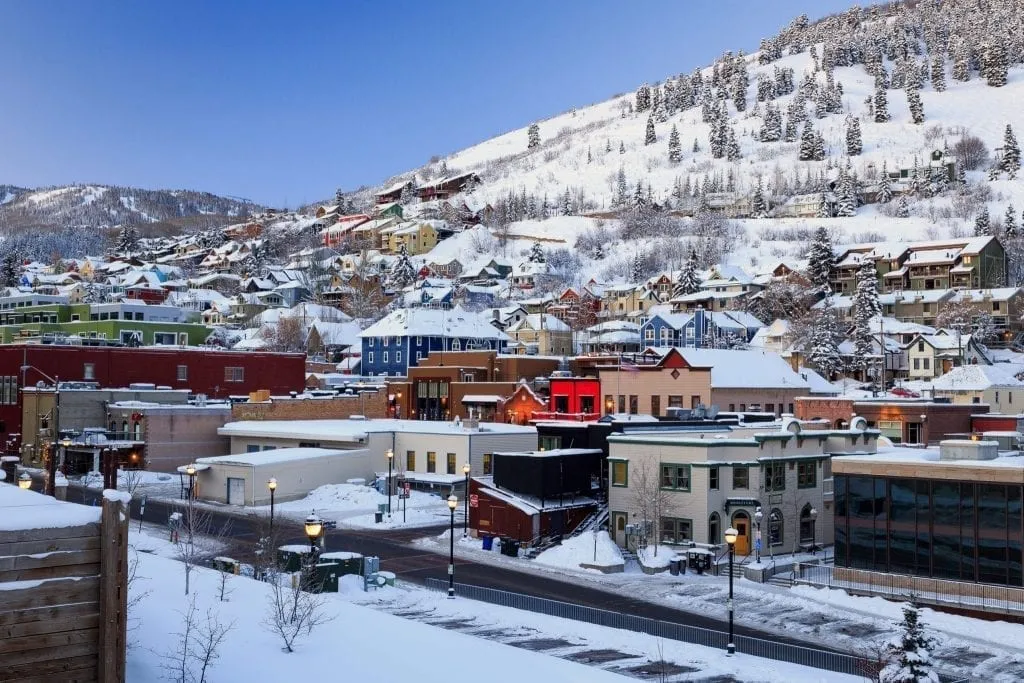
[
  {"x": 847, "y": 205},
  {"x": 824, "y": 210},
  {"x": 675, "y": 149},
  {"x": 339, "y": 198},
  {"x": 821, "y": 259},
  {"x": 911, "y": 653},
  {"x": 732, "y": 146},
  {"x": 981, "y": 223},
  {"x": 903, "y": 207},
  {"x": 537, "y": 254},
  {"x": 622, "y": 147},
  {"x": 807, "y": 143},
  {"x": 696, "y": 146},
  {"x": 650, "y": 138},
  {"x": 938, "y": 73},
  {"x": 865, "y": 307},
  {"x": 621, "y": 189},
  {"x": 590, "y": 157},
  {"x": 961, "y": 62},
  {"x": 402, "y": 271},
  {"x": 1010, "y": 161},
  {"x": 408, "y": 194},
  {"x": 1010, "y": 223},
  {"x": 758, "y": 206},
  {"x": 643, "y": 98},
  {"x": 567, "y": 205},
  {"x": 881, "y": 102},
  {"x": 996, "y": 65},
  {"x": 915, "y": 105},
  {"x": 884, "y": 187},
  {"x": 639, "y": 199},
  {"x": 636, "y": 268},
  {"x": 533, "y": 136},
  {"x": 688, "y": 281},
  {"x": 854, "y": 143},
  {"x": 607, "y": 145},
  {"x": 819, "y": 147},
  {"x": 824, "y": 344},
  {"x": 10, "y": 270},
  {"x": 128, "y": 241}
]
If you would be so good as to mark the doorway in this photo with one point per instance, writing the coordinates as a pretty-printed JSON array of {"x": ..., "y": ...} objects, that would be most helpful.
[
  {"x": 619, "y": 528},
  {"x": 236, "y": 491},
  {"x": 741, "y": 522}
]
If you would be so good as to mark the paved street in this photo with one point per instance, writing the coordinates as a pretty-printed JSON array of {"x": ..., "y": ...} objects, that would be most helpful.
[{"x": 412, "y": 563}]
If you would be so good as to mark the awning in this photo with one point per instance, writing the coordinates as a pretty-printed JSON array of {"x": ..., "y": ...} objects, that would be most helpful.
[{"x": 481, "y": 398}]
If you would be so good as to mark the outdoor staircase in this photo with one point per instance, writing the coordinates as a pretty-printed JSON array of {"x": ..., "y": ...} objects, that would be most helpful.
[
  {"x": 783, "y": 579},
  {"x": 595, "y": 520}
]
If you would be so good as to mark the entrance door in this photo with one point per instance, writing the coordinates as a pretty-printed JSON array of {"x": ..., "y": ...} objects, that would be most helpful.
[
  {"x": 619, "y": 528},
  {"x": 741, "y": 522},
  {"x": 236, "y": 491}
]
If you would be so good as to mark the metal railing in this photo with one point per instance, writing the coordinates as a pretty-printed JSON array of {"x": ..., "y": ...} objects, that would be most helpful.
[
  {"x": 940, "y": 592},
  {"x": 757, "y": 647}
]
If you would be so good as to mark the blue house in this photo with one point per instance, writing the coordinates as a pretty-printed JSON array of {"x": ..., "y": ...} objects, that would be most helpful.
[
  {"x": 700, "y": 329},
  {"x": 405, "y": 337}
]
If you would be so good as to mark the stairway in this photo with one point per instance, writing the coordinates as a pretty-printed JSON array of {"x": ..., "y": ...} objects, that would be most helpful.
[
  {"x": 595, "y": 520},
  {"x": 783, "y": 579}
]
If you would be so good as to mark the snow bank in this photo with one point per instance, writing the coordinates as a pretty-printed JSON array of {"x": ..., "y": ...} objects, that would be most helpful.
[
  {"x": 31, "y": 510},
  {"x": 595, "y": 549},
  {"x": 661, "y": 560}
]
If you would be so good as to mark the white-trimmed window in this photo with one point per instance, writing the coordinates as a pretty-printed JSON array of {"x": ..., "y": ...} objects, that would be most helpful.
[{"x": 384, "y": 358}]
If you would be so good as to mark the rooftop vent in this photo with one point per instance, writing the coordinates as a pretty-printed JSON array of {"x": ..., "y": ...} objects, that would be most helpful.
[{"x": 968, "y": 449}]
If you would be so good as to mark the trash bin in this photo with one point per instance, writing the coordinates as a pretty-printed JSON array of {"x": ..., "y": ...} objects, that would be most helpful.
[
  {"x": 510, "y": 547},
  {"x": 378, "y": 517},
  {"x": 673, "y": 566},
  {"x": 389, "y": 578},
  {"x": 488, "y": 542},
  {"x": 347, "y": 562},
  {"x": 682, "y": 565}
]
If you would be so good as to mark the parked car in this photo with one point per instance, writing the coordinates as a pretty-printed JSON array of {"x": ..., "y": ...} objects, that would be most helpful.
[{"x": 904, "y": 393}]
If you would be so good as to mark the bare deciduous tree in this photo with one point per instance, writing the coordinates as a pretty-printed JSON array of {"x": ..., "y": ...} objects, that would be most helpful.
[
  {"x": 197, "y": 646},
  {"x": 651, "y": 501},
  {"x": 293, "y": 609}
]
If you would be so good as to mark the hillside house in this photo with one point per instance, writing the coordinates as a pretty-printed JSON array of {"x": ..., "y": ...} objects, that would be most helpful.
[
  {"x": 976, "y": 384},
  {"x": 540, "y": 334},
  {"x": 446, "y": 187},
  {"x": 699, "y": 329},
  {"x": 930, "y": 356}
]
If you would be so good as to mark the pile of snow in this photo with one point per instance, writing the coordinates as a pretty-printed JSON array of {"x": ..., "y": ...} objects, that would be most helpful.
[
  {"x": 24, "y": 509},
  {"x": 655, "y": 559},
  {"x": 590, "y": 548}
]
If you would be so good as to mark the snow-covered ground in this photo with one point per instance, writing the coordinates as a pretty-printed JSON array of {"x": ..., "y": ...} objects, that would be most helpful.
[
  {"x": 594, "y": 548},
  {"x": 365, "y": 633},
  {"x": 991, "y": 650}
]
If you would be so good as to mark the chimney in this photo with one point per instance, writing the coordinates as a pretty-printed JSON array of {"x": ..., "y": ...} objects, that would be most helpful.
[{"x": 968, "y": 449}]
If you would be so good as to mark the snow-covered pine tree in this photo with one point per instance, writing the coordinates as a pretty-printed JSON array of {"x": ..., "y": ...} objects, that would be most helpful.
[
  {"x": 621, "y": 189},
  {"x": 911, "y": 653},
  {"x": 865, "y": 307},
  {"x": 675, "y": 149},
  {"x": 339, "y": 198},
  {"x": 824, "y": 346},
  {"x": 639, "y": 199},
  {"x": 903, "y": 207},
  {"x": 402, "y": 271},
  {"x": 807, "y": 140},
  {"x": 996, "y": 65},
  {"x": 732, "y": 146},
  {"x": 739, "y": 90},
  {"x": 696, "y": 146},
  {"x": 688, "y": 281},
  {"x": 1010, "y": 161},
  {"x": 10, "y": 270},
  {"x": 961, "y": 62},
  {"x": 1010, "y": 223},
  {"x": 128, "y": 241},
  {"x": 533, "y": 136},
  {"x": 915, "y": 105},
  {"x": 590, "y": 157},
  {"x": 636, "y": 268},
  {"x": 607, "y": 145},
  {"x": 982, "y": 226},
  {"x": 622, "y": 147},
  {"x": 650, "y": 137},
  {"x": 938, "y": 73},
  {"x": 881, "y": 101},
  {"x": 643, "y": 98},
  {"x": 820, "y": 259},
  {"x": 408, "y": 194},
  {"x": 537, "y": 254},
  {"x": 854, "y": 142},
  {"x": 847, "y": 204},
  {"x": 567, "y": 204},
  {"x": 819, "y": 147},
  {"x": 758, "y": 205},
  {"x": 824, "y": 210}
]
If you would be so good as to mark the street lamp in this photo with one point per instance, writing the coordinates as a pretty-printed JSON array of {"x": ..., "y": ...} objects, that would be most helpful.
[
  {"x": 758, "y": 516},
  {"x": 314, "y": 526},
  {"x": 391, "y": 460},
  {"x": 25, "y": 481},
  {"x": 814, "y": 517},
  {"x": 453, "y": 503},
  {"x": 730, "y": 538},
  {"x": 272, "y": 485},
  {"x": 190, "y": 470},
  {"x": 465, "y": 522}
]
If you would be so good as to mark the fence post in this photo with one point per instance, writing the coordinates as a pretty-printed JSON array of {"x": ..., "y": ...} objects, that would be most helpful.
[{"x": 113, "y": 591}]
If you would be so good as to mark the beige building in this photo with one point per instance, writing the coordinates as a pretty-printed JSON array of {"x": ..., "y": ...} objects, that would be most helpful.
[
  {"x": 675, "y": 377},
  {"x": 541, "y": 334},
  {"x": 982, "y": 384},
  {"x": 679, "y": 487},
  {"x": 932, "y": 355},
  {"x": 241, "y": 479},
  {"x": 418, "y": 238}
]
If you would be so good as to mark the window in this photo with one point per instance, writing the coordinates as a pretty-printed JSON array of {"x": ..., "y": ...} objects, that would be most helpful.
[
  {"x": 455, "y": 345},
  {"x": 232, "y": 374},
  {"x": 917, "y": 363},
  {"x": 252, "y": 448},
  {"x": 410, "y": 461},
  {"x": 369, "y": 356},
  {"x": 656, "y": 405},
  {"x": 790, "y": 409},
  {"x": 920, "y": 346},
  {"x": 775, "y": 476},
  {"x": 927, "y": 363},
  {"x": 634, "y": 404},
  {"x": 620, "y": 473},
  {"x": 182, "y": 373},
  {"x": 398, "y": 356},
  {"x": 165, "y": 338},
  {"x": 384, "y": 357},
  {"x": 387, "y": 341},
  {"x": 10, "y": 390},
  {"x": 806, "y": 474},
  {"x": 88, "y": 371},
  {"x": 622, "y": 403},
  {"x": 769, "y": 408},
  {"x": 419, "y": 356},
  {"x": 675, "y": 401},
  {"x": 714, "y": 528},
  {"x": 431, "y": 461},
  {"x": 713, "y": 478},
  {"x": 741, "y": 477},
  {"x": 807, "y": 524},
  {"x": 451, "y": 463},
  {"x": 649, "y": 333},
  {"x": 775, "y": 527},
  {"x": 674, "y": 530},
  {"x": 487, "y": 464},
  {"x": 309, "y": 444},
  {"x": 675, "y": 477},
  {"x": 694, "y": 401},
  {"x": 732, "y": 407}
]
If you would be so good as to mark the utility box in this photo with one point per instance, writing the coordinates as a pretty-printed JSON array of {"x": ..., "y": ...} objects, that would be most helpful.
[{"x": 348, "y": 563}]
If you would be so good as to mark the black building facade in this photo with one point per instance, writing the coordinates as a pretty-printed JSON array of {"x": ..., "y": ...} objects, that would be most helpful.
[{"x": 937, "y": 528}]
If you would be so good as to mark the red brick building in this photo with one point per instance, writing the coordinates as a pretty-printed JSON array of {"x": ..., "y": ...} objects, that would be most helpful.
[
  {"x": 218, "y": 374},
  {"x": 573, "y": 398},
  {"x": 902, "y": 421}
]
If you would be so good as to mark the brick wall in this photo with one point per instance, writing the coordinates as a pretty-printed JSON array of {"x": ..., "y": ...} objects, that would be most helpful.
[
  {"x": 372, "y": 404},
  {"x": 831, "y": 409}
]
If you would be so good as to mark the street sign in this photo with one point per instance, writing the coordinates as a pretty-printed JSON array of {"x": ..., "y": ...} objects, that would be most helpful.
[
  {"x": 474, "y": 500},
  {"x": 407, "y": 488}
]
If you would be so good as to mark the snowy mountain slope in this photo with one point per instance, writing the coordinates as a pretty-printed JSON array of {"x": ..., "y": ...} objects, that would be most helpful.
[{"x": 100, "y": 206}]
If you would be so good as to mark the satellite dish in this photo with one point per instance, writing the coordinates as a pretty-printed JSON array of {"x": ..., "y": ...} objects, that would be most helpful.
[{"x": 858, "y": 424}]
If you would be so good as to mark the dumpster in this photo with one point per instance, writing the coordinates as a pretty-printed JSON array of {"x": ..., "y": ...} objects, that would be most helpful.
[
  {"x": 290, "y": 558},
  {"x": 348, "y": 563},
  {"x": 325, "y": 578},
  {"x": 488, "y": 542},
  {"x": 510, "y": 547}
]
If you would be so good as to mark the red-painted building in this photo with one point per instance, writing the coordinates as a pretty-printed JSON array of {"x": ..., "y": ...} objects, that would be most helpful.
[
  {"x": 218, "y": 374},
  {"x": 997, "y": 423},
  {"x": 573, "y": 398},
  {"x": 145, "y": 292}
]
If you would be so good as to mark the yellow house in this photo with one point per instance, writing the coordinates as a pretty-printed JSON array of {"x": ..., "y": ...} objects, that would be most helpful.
[
  {"x": 933, "y": 355},
  {"x": 418, "y": 238},
  {"x": 988, "y": 384}
]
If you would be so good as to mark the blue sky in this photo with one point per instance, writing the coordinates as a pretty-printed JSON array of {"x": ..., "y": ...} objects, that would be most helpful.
[{"x": 284, "y": 102}]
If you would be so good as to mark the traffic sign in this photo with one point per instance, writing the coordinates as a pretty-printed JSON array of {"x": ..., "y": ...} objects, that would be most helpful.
[
  {"x": 407, "y": 488},
  {"x": 474, "y": 500}
]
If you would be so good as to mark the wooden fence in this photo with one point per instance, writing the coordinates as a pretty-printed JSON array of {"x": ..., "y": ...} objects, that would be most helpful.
[{"x": 63, "y": 601}]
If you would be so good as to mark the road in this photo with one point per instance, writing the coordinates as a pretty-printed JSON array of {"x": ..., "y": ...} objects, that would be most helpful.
[{"x": 398, "y": 555}]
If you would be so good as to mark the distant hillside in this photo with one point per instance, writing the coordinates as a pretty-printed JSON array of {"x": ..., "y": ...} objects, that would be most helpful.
[{"x": 107, "y": 206}]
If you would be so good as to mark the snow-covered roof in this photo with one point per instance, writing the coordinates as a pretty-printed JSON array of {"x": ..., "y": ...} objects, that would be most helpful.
[
  {"x": 975, "y": 378},
  {"x": 276, "y": 456},
  {"x": 981, "y": 295},
  {"x": 747, "y": 369},
  {"x": 353, "y": 430},
  {"x": 539, "y": 321},
  {"x": 32, "y": 510},
  {"x": 932, "y": 256},
  {"x": 818, "y": 384},
  {"x": 433, "y": 322}
]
